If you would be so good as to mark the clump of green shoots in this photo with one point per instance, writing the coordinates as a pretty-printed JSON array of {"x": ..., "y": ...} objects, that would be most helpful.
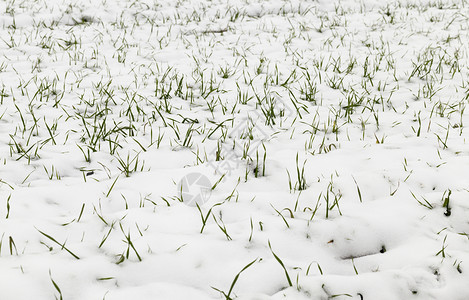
[{"x": 300, "y": 184}]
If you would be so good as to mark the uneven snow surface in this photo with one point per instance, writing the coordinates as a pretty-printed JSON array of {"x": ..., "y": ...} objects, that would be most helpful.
[{"x": 234, "y": 149}]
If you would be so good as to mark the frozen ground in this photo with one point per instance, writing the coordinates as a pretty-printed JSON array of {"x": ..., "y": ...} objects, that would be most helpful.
[{"x": 234, "y": 149}]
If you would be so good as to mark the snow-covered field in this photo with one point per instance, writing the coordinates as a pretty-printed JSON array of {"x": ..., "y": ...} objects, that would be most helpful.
[{"x": 234, "y": 149}]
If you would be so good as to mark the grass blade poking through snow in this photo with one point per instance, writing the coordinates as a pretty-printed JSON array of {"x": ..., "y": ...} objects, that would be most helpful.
[
  {"x": 204, "y": 219},
  {"x": 56, "y": 286},
  {"x": 358, "y": 190},
  {"x": 8, "y": 206},
  {"x": 227, "y": 296},
  {"x": 283, "y": 266},
  {"x": 129, "y": 243},
  {"x": 61, "y": 245},
  {"x": 445, "y": 203}
]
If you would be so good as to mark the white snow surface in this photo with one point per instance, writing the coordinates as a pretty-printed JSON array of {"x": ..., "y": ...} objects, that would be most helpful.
[{"x": 332, "y": 134}]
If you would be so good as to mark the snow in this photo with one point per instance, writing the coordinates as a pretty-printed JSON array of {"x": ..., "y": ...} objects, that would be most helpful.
[{"x": 322, "y": 140}]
